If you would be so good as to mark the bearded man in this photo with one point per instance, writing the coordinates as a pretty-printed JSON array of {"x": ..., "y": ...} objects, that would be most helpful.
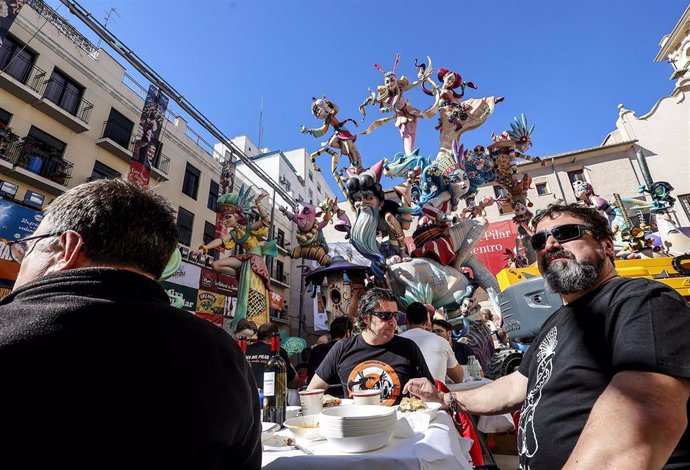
[{"x": 607, "y": 380}]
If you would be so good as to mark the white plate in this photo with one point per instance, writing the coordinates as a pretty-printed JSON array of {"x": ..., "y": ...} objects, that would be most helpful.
[
  {"x": 277, "y": 443},
  {"x": 269, "y": 427},
  {"x": 432, "y": 410}
]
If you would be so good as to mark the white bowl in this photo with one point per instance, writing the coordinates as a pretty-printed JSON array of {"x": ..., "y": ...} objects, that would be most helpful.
[
  {"x": 360, "y": 443},
  {"x": 294, "y": 425},
  {"x": 432, "y": 410},
  {"x": 356, "y": 412}
]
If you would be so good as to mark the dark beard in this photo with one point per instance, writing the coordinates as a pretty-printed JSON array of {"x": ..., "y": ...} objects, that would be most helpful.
[{"x": 571, "y": 277}]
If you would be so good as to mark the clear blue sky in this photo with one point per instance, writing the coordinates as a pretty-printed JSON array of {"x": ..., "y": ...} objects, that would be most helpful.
[{"x": 566, "y": 65}]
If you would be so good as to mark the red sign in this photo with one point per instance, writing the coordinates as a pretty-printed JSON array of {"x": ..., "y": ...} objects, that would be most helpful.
[
  {"x": 491, "y": 250},
  {"x": 213, "y": 281},
  {"x": 275, "y": 300}
]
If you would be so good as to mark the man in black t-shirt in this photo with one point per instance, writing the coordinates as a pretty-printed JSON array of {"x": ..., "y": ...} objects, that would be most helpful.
[
  {"x": 259, "y": 353},
  {"x": 607, "y": 380},
  {"x": 340, "y": 328},
  {"x": 377, "y": 359}
]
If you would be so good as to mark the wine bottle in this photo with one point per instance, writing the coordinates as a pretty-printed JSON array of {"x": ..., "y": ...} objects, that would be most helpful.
[
  {"x": 242, "y": 343},
  {"x": 275, "y": 385}
]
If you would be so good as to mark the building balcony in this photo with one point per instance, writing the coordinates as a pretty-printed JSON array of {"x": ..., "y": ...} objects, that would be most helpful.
[
  {"x": 115, "y": 139},
  {"x": 160, "y": 168},
  {"x": 33, "y": 166},
  {"x": 23, "y": 80},
  {"x": 281, "y": 279},
  {"x": 70, "y": 109}
]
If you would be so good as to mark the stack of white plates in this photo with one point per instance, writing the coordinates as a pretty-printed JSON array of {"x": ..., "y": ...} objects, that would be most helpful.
[{"x": 358, "y": 428}]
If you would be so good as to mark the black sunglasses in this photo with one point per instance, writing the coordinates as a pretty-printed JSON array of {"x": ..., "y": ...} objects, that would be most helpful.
[
  {"x": 562, "y": 234},
  {"x": 385, "y": 316}
]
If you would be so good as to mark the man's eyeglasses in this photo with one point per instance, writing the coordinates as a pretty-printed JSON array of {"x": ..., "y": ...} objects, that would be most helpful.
[
  {"x": 385, "y": 316},
  {"x": 19, "y": 248},
  {"x": 562, "y": 234}
]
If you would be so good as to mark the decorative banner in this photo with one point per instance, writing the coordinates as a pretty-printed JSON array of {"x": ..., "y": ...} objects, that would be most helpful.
[
  {"x": 8, "y": 12},
  {"x": 148, "y": 134},
  {"x": 213, "y": 281},
  {"x": 491, "y": 249},
  {"x": 180, "y": 296},
  {"x": 320, "y": 315},
  {"x": 275, "y": 300},
  {"x": 210, "y": 302},
  {"x": 187, "y": 274},
  {"x": 15, "y": 222}
]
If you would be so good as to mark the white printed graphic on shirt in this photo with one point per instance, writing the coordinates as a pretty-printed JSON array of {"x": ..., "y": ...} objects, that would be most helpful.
[{"x": 527, "y": 438}]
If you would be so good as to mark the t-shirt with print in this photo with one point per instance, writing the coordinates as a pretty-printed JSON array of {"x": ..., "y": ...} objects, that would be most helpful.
[
  {"x": 258, "y": 355},
  {"x": 624, "y": 325},
  {"x": 361, "y": 366}
]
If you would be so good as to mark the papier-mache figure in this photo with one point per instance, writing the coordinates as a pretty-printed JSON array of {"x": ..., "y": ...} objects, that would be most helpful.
[
  {"x": 341, "y": 139},
  {"x": 390, "y": 98},
  {"x": 312, "y": 243},
  {"x": 455, "y": 115},
  {"x": 249, "y": 268}
]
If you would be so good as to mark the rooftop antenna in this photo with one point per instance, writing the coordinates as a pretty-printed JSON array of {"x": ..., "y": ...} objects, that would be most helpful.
[
  {"x": 261, "y": 118},
  {"x": 108, "y": 18}
]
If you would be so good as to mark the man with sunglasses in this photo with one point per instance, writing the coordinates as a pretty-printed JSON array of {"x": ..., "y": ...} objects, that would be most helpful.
[
  {"x": 377, "y": 359},
  {"x": 607, "y": 380},
  {"x": 98, "y": 370}
]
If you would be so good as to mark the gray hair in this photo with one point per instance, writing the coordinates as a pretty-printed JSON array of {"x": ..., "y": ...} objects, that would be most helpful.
[{"x": 122, "y": 224}]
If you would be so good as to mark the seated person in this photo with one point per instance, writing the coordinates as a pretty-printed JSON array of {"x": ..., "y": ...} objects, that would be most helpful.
[
  {"x": 340, "y": 328},
  {"x": 377, "y": 359},
  {"x": 259, "y": 353},
  {"x": 437, "y": 352},
  {"x": 246, "y": 328},
  {"x": 461, "y": 350}
]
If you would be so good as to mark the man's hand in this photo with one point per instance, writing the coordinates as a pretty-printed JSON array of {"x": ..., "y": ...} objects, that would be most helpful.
[{"x": 424, "y": 390}]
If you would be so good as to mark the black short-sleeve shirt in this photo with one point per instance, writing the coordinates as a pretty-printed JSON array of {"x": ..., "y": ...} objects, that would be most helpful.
[
  {"x": 258, "y": 355},
  {"x": 625, "y": 325},
  {"x": 361, "y": 366}
]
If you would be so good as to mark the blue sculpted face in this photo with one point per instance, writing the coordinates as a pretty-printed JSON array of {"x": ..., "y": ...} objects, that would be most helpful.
[{"x": 403, "y": 163}]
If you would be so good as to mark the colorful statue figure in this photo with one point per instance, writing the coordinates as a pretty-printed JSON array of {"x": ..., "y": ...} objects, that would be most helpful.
[
  {"x": 249, "y": 267},
  {"x": 312, "y": 243},
  {"x": 507, "y": 149},
  {"x": 390, "y": 98},
  {"x": 375, "y": 214},
  {"x": 456, "y": 116},
  {"x": 479, "y": 167},
  {"x": 584, "y": 192},
  {"x": 342, "y": 140}
]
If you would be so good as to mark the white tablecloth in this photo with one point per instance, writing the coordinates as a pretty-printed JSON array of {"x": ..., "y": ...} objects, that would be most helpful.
[{"x": 439, "y": 448}]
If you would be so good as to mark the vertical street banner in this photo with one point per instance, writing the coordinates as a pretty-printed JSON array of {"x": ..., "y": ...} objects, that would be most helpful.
[
  {"x": 147, "y": 143},
  {"x": 227, "y": 183},
  {"x": 9, "y": 9},
  {"x": 15, "y": 222}
]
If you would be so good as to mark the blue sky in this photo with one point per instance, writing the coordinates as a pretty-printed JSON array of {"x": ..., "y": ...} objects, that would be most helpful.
[{"x": 566, "y": 65}]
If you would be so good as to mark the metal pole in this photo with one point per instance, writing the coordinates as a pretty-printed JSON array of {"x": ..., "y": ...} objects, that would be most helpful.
[
  {"x": 300, "y": 329},
  {"x": 269, "y": 261}
]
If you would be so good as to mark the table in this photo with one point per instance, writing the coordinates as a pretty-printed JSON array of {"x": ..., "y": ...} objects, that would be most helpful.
[{"x": 439, "y": 448}]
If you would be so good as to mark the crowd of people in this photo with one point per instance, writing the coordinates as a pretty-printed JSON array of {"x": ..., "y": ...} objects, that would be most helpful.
[{"x": 99, "y": 371}]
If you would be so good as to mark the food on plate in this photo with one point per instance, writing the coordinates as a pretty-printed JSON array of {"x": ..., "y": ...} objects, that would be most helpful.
[
  {"x": 307, "y": 426},
  {"x": 411, "y": 404},
  {"x": 329, "y": 401}
]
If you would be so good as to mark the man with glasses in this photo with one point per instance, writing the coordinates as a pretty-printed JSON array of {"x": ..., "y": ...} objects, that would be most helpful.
[
  {"x": 607, "y": 380},
  {"x": 377, "y": 359},
  {"x": 98, "y": 370}
]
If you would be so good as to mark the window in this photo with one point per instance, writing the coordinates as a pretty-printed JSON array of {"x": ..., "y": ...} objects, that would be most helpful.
[
  {"x": 209, "y": 236},
  {"x": 213, "y": 196},
  {"x": 576, "y": 175},
  {"x": 311, "y": 176},
  {"x": 318, "y": 188},
  {"x": 279, "y": 271},
  {"x": 101, "y": 172},
  {"x": 64, "y": 92},
  {"x": 34, "y": 199},
  {"x": 8, "y": 190},
  {"x": 190, "y": 186},
  {"x": 311, "y": 196},
  {"x": 185, "y": 225},
  {"x": 16, "y": 59},
  {"x": 118, "y": 128},
  {"x": 504, "y": 208},
  {"x": 281, "y": 238},
  {"x": 542, "y": 189},
  {"x": 42, "y": 154},
  {"x": 4, "y": 118},
  {"x": 684, "y": 200}
]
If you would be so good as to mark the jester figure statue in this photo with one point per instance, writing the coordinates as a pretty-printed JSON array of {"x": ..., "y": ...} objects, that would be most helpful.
[
  {"x": 342, "y": 140},
  {"x": 312, "y": 243},
  {"x": 390, "y": 98},
  {"x": 456, "y": 116},
  {"x": 249, "y": 268}
]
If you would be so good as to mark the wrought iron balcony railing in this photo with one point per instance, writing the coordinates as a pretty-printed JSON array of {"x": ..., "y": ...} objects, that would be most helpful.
[{"x": 67, "y": 99}]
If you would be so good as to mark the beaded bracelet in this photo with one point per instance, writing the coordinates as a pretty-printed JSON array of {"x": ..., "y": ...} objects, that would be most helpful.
[{"x": 455, "y": 408}]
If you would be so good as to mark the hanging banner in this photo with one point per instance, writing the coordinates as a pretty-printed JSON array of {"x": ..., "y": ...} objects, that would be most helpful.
[
  {"x": 219, "y": 283},
  {"x": 147, "y": 142},
  {"x": 275, "y": 300},
  {"x": 491, "y": 250},
  {"x": 8, "y": 12},
  {"x": 320, "y": 315},
  {"x": 15, "y": 222}
]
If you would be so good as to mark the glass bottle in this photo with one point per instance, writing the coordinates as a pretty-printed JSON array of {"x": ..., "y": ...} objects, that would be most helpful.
[{"x": 275, "y": 385}]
